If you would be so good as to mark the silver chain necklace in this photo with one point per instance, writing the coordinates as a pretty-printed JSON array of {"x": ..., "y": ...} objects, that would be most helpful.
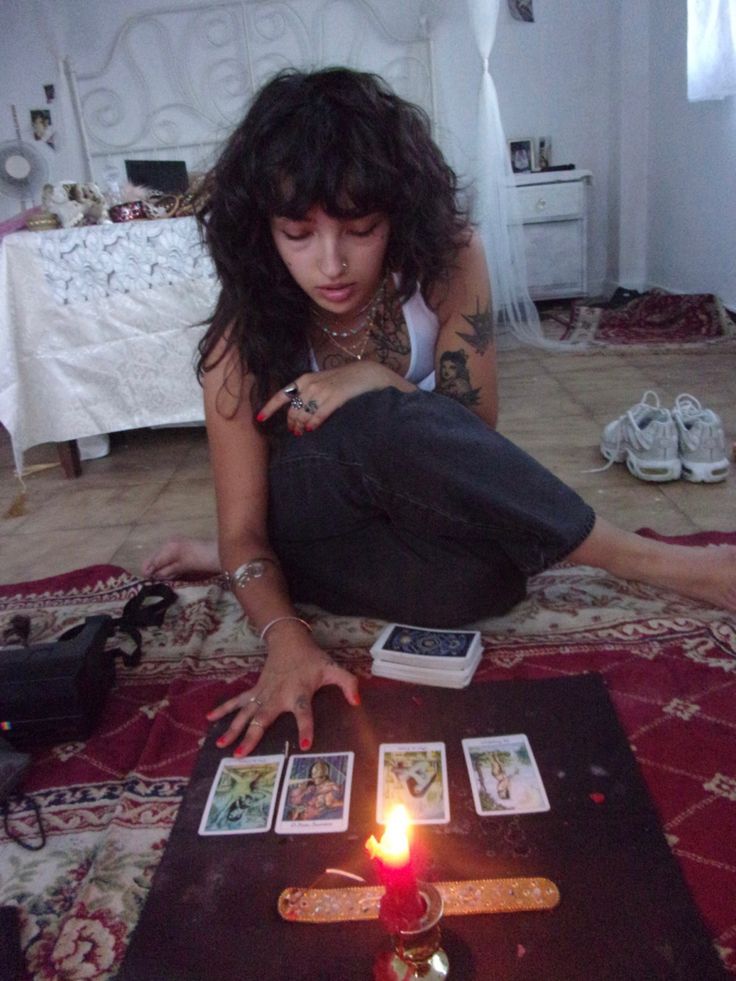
[
  {"x": 358, "y": 355},
  {"x": 371, "y": 307}
]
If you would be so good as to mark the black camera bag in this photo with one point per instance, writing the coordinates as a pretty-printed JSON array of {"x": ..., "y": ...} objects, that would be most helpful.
[{"x": 56, "y": 691}]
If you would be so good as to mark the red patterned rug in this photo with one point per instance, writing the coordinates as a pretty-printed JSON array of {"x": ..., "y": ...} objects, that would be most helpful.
[
  {"x": 633, "y": 319},
  {"x": 109, "y": 803}
]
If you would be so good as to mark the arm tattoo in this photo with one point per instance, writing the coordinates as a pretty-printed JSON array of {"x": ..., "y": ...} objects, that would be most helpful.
[
  {"x": 483, "y": 328},
  {"x": 302, "y": 703},
  {"x": 454, "y": 378}
]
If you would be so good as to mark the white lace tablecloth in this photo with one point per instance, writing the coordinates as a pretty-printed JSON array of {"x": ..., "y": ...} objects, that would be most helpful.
[{"x": 99, "y": 328}]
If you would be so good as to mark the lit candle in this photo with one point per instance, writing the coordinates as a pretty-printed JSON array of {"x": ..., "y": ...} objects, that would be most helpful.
[{"x": 401, "y": 905}]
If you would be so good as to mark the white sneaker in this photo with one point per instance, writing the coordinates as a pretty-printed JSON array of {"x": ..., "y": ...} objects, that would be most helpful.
[
  {"x": 645, "y": 438},
  {"x": 702, "y": 442}
]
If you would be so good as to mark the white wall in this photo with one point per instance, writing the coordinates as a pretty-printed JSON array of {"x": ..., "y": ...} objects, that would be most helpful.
[
  {"x": 159, "y": 59},
  {"x": 691, "y": 244},
  {"x": 29, "y": 49},
  {"x": 554, "y": 78},
  {"x": 607, "y": 82}
]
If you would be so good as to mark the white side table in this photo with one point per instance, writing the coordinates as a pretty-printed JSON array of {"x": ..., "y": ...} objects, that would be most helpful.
[{"x": 554, "y": 212}]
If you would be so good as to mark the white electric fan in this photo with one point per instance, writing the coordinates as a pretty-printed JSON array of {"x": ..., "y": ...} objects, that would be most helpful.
[{"x": 23, "y": 170}]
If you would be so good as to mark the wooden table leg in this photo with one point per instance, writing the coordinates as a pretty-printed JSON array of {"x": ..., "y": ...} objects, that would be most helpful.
[{"x": 69, "y": 458}]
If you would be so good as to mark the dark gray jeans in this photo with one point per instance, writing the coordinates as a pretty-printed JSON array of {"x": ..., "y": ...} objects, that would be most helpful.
[{"x": 407, "y": 507}]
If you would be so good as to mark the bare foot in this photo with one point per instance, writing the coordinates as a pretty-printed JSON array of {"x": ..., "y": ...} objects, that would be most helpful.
[
  {"x": 706, "y": 573},
  {"x": 183, "y": 557}
]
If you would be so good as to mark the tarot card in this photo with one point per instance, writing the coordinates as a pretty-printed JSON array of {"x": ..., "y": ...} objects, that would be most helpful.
[
  {"x": 449, "y": 650},
  {"x": 316, "y": 794},
  {"x": 415, "y": 775},
  {"x": 242, "y": 798},
  {"x": 426, "y": 676},
  {"x": 504, "y": 776}
]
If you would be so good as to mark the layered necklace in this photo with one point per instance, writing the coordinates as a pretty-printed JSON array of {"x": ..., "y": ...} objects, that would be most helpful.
[{"x": 364, "y": 326}]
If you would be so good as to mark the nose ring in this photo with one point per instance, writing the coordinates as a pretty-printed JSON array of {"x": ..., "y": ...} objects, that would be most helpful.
[{"x": 344, "y": 265}]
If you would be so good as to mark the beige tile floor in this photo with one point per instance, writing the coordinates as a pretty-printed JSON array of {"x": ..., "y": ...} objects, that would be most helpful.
[{"x": 156, "y": 483}]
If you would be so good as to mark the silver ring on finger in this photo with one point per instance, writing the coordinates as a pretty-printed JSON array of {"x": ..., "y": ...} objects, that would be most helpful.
[
  {"x": 297, "y": 403},
  {"x": 311, "y": 406},
  {"x": 291, "y": 390},
  {"x": 255, "y": 722},
  {"x": 258, "y": 702}
]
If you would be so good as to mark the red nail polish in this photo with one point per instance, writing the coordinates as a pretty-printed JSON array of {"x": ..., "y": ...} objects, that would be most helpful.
[
  {"x": 356, "y": 698},
  {"x": 220, "y": 743},
  {"x": 239, "y": 752},
  {"x": 260, "y": 417},
  {"x": 304, "y": 744}
]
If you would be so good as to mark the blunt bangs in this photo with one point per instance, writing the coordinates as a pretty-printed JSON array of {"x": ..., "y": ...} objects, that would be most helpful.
[{"x": 345, "y": 188}]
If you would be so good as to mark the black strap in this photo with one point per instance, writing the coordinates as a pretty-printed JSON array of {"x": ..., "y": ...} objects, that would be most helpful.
[
  {"x": 149, "y": 605},
  {"x": 130, "y": 658},
  {"x": 146, "y": 609}
]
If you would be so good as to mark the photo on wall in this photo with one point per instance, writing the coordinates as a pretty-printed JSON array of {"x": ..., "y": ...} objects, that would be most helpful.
[{"x": 42, "y": 128}]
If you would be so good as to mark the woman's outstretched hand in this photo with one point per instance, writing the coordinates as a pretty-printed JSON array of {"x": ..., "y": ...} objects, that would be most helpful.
[
  {"x": 296, "y": 667},
  {"x": 319, "y": 393}
]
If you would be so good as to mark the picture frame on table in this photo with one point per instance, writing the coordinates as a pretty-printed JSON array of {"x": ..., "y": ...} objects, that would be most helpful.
[{"x": 522, "y": 154}]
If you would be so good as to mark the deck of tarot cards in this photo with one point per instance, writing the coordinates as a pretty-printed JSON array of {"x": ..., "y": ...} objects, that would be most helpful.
[{"x": 427, "y": 657}]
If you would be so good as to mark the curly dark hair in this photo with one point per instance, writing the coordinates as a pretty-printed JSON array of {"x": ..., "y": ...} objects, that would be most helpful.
[{"x": 341, "y": 139}]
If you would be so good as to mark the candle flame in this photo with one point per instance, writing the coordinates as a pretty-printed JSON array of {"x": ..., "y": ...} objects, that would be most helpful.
[{"x": 393, "y": 848}]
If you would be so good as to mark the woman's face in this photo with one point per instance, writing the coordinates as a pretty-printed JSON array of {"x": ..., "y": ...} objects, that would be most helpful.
[
  {"x": 338, "y": 262},
  {"x": 448, "y": 370}
]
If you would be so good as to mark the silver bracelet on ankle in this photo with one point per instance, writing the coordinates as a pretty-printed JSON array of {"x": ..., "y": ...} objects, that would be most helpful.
[
  {"x": 272, "y": 623},
  {"x": 247, "y": 571}
]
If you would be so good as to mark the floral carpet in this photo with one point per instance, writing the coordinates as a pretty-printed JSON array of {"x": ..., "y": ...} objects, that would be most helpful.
[
  {"x": 632, "y": 320},
  {"x": 109, "y": 803}
]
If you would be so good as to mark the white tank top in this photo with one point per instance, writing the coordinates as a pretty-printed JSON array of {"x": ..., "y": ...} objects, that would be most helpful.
[{"x": 422, "y": 327}]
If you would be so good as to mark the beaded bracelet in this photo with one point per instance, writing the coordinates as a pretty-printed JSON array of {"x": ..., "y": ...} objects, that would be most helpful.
[{"x": 272, "y": 623}]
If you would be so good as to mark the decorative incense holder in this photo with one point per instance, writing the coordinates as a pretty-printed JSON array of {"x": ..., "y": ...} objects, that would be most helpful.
[{"x": 459, "y": 898}]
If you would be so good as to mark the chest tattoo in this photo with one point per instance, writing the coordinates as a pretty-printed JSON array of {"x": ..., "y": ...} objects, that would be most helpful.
[{"x": 390, "y": 337}]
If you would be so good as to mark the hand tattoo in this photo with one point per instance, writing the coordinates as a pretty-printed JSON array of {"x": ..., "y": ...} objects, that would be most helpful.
[{"x": 483, "y": 329}]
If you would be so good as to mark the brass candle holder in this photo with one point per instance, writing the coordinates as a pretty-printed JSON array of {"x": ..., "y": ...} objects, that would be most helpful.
[{"x": 417, "y": 953}]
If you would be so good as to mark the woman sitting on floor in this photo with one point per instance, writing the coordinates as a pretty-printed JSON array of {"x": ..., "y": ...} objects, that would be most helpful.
[{"x": 349, "y": 376}]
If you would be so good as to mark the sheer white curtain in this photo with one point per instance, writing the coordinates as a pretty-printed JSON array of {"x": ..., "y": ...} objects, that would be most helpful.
[
  {"x": 497, "y": 211},
  {"x": 711, "y": 49}
]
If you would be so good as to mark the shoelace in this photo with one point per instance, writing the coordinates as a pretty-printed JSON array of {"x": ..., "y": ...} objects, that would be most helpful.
[
  {"x": 687, "y": 405},
  {"x": 642, "y": 403}
]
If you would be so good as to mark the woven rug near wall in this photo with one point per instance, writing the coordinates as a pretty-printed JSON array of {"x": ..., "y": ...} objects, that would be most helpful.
[
  {"x": 630, "y": 319},
  {"x": 109, "y": 802}
]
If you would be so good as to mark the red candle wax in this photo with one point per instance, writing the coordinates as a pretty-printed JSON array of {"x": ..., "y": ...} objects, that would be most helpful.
[{"x": 401, "y": 905}]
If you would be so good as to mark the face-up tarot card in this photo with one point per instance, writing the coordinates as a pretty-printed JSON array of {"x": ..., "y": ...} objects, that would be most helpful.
[
  {"x": 316, "y": 794},
  {"x": 504, "y": 776},
  {"x": 415, "y": 775},
  {"x": 242, "y": 798}
]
